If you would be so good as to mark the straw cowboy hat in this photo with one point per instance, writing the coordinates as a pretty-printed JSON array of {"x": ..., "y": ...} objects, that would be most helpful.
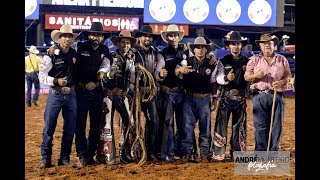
[
  {"x": 65, "y": 29},
  {"x": 146, "y": 29},
  {"x": 200, "y": 41},
  {"x": 285, "y": 37},
  {"x": 96, "y": 27},
  {"x": 33, "y": 49},
  {"x": 235, "y": 36},
  {"x": 124, "y": 34},
  {"x": 171, "y": 28},
  {"x": 267, "y": 37}
]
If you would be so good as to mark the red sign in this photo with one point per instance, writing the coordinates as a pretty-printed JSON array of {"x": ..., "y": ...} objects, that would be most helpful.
[
  {"x": 158, "y": 28},
  {"x": 110, "y": 23}
]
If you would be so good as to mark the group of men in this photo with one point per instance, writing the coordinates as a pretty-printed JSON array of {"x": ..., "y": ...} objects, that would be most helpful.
[{"x": 190, "y": 85}]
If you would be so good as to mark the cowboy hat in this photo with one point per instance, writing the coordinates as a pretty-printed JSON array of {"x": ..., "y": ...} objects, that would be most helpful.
[
  {"x": 33, "y": 49},
  {"x": 267, "y": 37},
  {"x": 96, "y": 27},
  {"x": 235, "y": 37},
  {"x": 285, "y": 37},
  {"x": 124, "y": 34},
  {"x": 65, "y": 29},
  {"x": 200, "y": 41},
  {"x": 171, "y": 28},
  {"x": 146, "y": 29}
]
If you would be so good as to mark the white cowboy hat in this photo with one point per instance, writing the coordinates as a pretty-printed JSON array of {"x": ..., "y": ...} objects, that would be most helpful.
[
  {"x": 122, "y": 35},
  {"x": 65, "y": 29},
  {"x": 200, "y": 41},
  {"x": 285, "y": 37},
  {"x": 33, "y": 49},
  {"x": 171, "y": 28}
]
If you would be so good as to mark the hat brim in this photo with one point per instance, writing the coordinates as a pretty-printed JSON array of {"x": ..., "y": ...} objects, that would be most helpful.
[
  {"x": 55, "y": 35},
  {"x": 165, "y": 33},
  {"x": 86, "y": 33},
  {"x": 116, "y": 39},
  {"x": 275, "y": 40},
  {"x": 227, "y": 42},
  {"x": 139, "y": 34},
  {"x": 192, "y": 46},
  {"x": 34, "y": 52}
]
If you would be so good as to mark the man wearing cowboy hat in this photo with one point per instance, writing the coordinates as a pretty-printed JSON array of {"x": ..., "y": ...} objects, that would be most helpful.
[
  {"x": 58, "y": 71},
  {"x": 32, "y": 67},
  {"x": 284, "y": 42},
  {"x": 147, "y": 55},
  {"x": 171, "y": 92},
  {"x": 93, "y": 64},
  {"x": 230, "y": 76},
  {"x": 122, "y": 70},
  {"x": 268, "y": 72},
  {"x": 196, "y": 105}
]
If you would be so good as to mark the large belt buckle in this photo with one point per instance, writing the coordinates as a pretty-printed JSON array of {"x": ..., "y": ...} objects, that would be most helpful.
[
  {"x": 234, "y": 92},
  {"x": 65, "y": 90},
  {"x": 90, "y": 86}
]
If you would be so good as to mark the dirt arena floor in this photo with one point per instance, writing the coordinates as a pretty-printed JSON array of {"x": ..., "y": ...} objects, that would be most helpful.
[{"x": 148, "y": 171}]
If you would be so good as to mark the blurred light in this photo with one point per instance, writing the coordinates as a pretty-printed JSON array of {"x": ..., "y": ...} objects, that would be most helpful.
[
  {"x": 44, "y": 44},
  {"x": 51, "y": 42}
]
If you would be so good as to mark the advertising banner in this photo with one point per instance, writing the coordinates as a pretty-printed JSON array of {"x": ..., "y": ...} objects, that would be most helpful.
[
  {"x": 158, "y": 28},
  {"x": 32, "y": 9},
  {"x": 208, "y": 12},
  {"x": 110, "y": 23}
]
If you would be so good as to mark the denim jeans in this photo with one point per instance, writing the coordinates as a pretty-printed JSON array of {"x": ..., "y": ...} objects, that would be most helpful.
[
  {"x": 170, "y": 105},
  {"x": 32, "y": 78},
  {"x": 193, "y": 110},
  {"x": 262, "y": 107},
  {"x": 55, "y": 103},
  {"x": 88, "y": 101},
  {"x": 236, "y": 107}
]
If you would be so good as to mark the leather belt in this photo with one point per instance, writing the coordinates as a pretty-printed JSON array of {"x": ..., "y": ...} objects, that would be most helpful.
[
  {"x": 199, "y": 95},
  {"x": 63, "y": 90},
  {"x": 168, "y": 89},
  {"x": 90, "y": 85}
]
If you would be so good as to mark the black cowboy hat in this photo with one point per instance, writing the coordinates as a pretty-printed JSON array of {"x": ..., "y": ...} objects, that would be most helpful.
[
  {"x": 235, "y": 36},
  {"x": 146, "y": 29},
  {"x": 96, "y": 27}
]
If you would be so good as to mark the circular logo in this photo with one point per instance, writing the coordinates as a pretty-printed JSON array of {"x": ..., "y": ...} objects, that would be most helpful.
[
  {"x": 228, "y": 11},
  {"x": 162, "y": 10},
  {"x": 208, "y": 71},
  {"x": 196, "y": 10},
  {"x": 259, "y": 11},
  {"x": 30, "y": 7}
]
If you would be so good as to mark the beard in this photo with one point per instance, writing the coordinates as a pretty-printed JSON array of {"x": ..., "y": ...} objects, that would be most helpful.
[
  {"x": 147, "y": 43},
  {"x": 94, "y": 43}
]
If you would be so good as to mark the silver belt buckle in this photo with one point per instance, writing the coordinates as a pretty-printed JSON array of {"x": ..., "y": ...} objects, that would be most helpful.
[
  {"x": 65, "y": 90},
  {"x": 90, "y": 86},
  {"x": 234, "y": 92}
]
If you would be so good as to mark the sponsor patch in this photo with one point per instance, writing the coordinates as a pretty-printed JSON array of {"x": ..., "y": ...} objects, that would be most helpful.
[
  {"x": 74, "y": 60},
  {"x": 208, "y": 71}
]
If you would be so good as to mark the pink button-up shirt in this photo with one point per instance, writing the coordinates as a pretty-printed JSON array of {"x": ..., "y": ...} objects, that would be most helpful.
[{"x": 277, "y": 70}]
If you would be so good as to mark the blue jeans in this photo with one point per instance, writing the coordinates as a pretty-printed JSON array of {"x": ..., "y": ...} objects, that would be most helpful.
[
  {"x": 193, "y": 110},
  {"x": 88, "y": 101},
  {"x": 55, "y": 103},
  {"x": 262, "y": 106},
  {"x": 170, "y": 105},
  {"x": 32, "y": 78}
]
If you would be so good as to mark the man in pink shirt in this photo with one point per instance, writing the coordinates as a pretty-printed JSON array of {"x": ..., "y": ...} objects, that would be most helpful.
[{"x": 268, "y": 72}]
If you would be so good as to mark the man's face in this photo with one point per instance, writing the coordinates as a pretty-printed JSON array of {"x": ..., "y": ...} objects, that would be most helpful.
[
  {"x": 96, "y": 38},
  {"x": 66, "y": 40},
  {"x": 145, "y": 40},
  {"x": 124, "y": 45},
  {"x": 235, "y": 47},
  {"x": 267, "y": 47},
  {"x": 173, "y": 39},
  {"x": 200, "y": 51}
]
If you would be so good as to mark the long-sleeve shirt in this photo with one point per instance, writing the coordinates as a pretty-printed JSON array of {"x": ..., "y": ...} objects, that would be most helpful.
[{"x": 277, "y": 70}]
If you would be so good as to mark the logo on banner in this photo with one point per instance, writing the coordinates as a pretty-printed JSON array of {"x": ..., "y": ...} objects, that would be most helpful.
[
  {"x": 228, "y": 11},
  {"x": 162, "y": 10},
  {"x": 30, "y": 7},
  {"x": 196, "y": 10},
  {"x": 259, "y": 11}
]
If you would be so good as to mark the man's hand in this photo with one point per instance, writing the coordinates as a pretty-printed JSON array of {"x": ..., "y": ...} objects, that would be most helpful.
[
  {"x": 163, "y": 73},
  {"x": 212, "y": 57},
  {"x": 230, "y": 75},
  {"x": 52, "y": 49},
  {"x": 62, "y": 81},
  {"x": 213, "y": 103},
  {"x": 277, "y": 84},
  {"x": 259, "y": 75},
  {"x": 101, "y": 75},
  {"x": 114, "y": 73}
]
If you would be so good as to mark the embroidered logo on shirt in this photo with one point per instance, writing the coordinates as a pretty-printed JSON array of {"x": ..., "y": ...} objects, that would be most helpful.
[
  {"x": 102, "y": 56},
  {"x": 208, "y": 71},
  {"x": 85, "y": 53},
  {"x": 74, "y": 60}
]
